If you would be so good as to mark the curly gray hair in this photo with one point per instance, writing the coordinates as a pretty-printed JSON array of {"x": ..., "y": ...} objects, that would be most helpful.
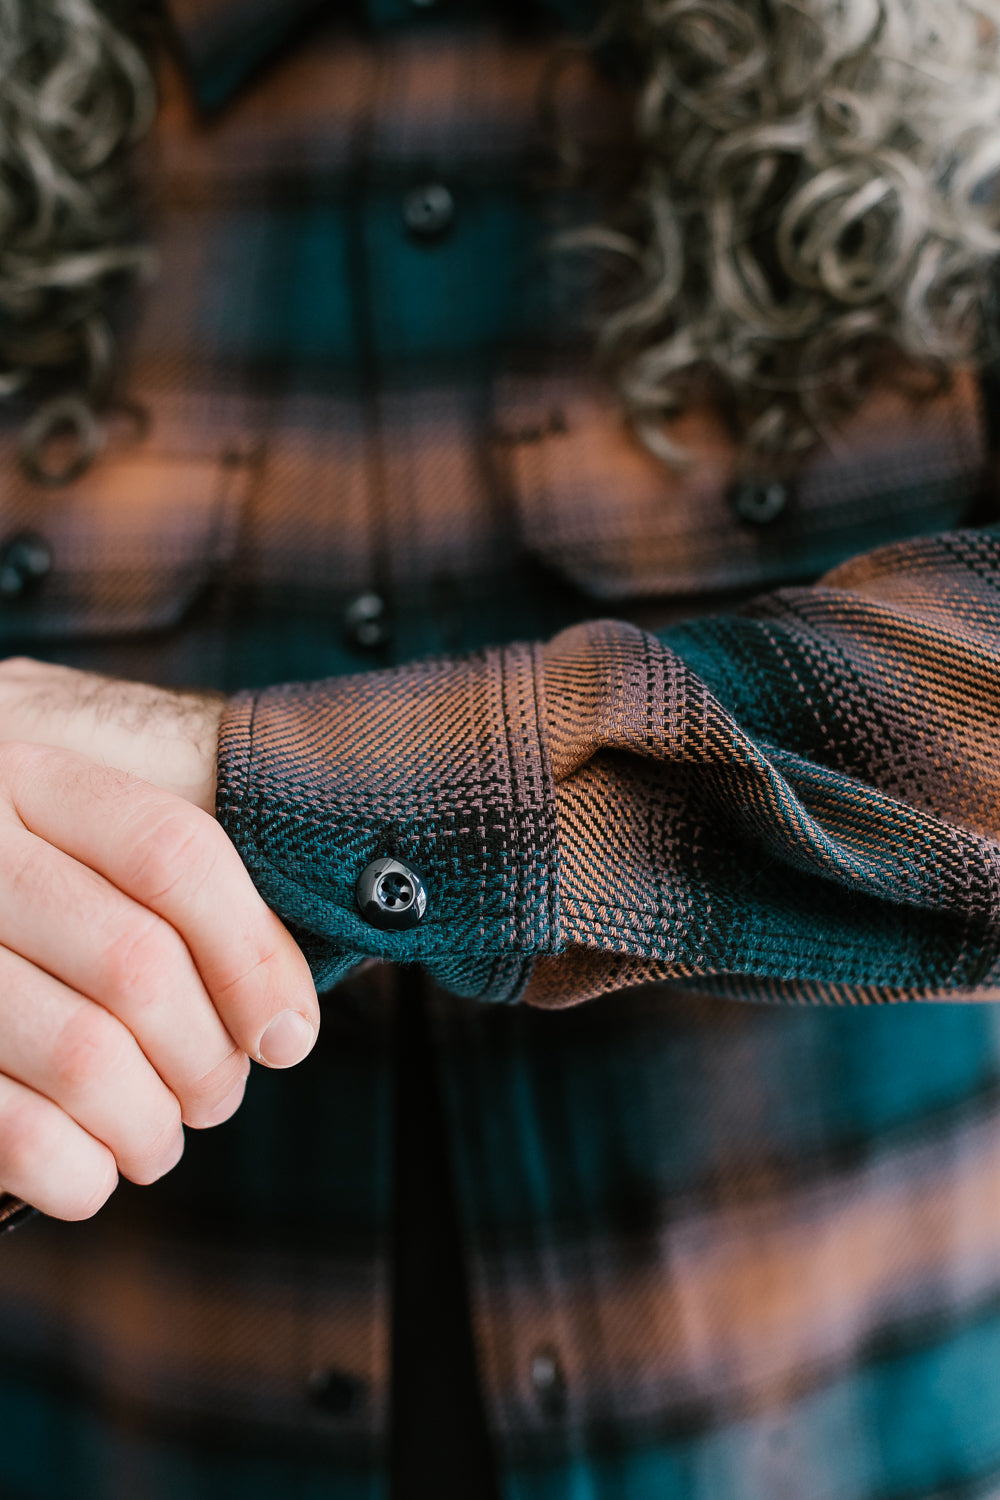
[
  {"x": 75, "y": 93},
  {"x": 817, "y": 205}
]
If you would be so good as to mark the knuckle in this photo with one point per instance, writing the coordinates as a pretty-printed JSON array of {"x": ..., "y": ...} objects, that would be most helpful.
[
  {"x": 271, "y": 966},
  {"x": 203, "y": 1095},
  {"x": 177, "y": 847},
  {"x": 90, "y": 1045},
  {"x": 134, "y": 964},
  {"x": 157, "y": 1153}
]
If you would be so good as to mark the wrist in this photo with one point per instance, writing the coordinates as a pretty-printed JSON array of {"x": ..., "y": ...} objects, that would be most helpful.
[
  {"x": 166, "y": 737},
  {"x": 185, "y": 760}
]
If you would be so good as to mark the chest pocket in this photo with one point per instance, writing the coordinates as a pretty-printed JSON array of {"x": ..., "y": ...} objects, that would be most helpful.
[
  {"x": 130, "y": 546},
  {"x": 597, "y": 508}
]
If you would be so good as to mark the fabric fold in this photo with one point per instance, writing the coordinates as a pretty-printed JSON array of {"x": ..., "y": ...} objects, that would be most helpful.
[
  {"x": 805, "y": 791},
  {"x": 440, "y": 765}
]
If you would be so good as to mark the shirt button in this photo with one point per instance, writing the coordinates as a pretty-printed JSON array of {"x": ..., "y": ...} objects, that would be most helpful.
[
  {"x": 335, "y": 1392},
  {"x": 759, "y": 502},
  {"x": 366, "y": 622},
  {"x": 25, "y": 562},
  {"x": 548, "y": 1381},
  {"x": 391, "y": 895},
  {"x": 428, "y": 211}
]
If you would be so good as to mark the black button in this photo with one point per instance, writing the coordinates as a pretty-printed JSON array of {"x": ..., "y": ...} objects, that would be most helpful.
[
  {"x": 759, "y": 502},
  {"x": 428, "y": 211},
  {"x": 391, "y": 895},
  {"x": 548, "y": 1381},
  {"x": 25, "y": 562},
  {"x": 335, "y": 1392},
  {"x": 366, "y": 622}
]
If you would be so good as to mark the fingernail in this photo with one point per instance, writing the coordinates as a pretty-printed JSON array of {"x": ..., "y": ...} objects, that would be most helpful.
[
  {"x": 286, "y": 1040},
  {"x": 228, "y": 1106}
]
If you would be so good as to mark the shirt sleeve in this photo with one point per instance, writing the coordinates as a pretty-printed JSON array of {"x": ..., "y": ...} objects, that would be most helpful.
[{"x": 799, "y": 801}]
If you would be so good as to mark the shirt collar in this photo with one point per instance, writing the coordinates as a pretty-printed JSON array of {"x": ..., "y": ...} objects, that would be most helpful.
[{"x": 223, "y": 43}]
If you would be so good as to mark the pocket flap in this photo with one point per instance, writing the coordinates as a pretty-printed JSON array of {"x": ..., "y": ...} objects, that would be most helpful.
[
  {"x": 598, "y": 508},
  {"x": 128, "y": 547}
]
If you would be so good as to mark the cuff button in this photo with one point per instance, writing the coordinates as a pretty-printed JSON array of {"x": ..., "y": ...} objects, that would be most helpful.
[{"x": 391, "y": 895}]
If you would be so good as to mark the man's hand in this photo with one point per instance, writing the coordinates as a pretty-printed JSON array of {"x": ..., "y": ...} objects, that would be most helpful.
[
  {"x": 139, "y": 968},
  {"x": 166, "y": 737}
]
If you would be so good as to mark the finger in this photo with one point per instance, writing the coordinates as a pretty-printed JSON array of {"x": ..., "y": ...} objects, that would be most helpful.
[
  {"x": 47, "y": 1159},
  {"x": 175, "y": 859},
  {"x": 72, "y": 922},
  {"x": 85, "y": 1061}
]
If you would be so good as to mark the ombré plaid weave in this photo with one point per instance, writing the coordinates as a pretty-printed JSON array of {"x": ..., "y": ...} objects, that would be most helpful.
[{"x": 715, "y": 1250}]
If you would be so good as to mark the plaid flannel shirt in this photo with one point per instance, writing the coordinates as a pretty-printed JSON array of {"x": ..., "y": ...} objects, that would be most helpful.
[{"x": 716, "y": 1250}]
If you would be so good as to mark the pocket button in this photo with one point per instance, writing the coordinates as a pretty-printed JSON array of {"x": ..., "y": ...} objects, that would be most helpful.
[
  {"x": 25, "y": 563},
  {"x": 758, "y": 502}
]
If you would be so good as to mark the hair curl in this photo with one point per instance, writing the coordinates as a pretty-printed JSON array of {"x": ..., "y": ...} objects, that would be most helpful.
[
  {"x": 75, "y": 94},
  {"x": 816, "y": 205}
]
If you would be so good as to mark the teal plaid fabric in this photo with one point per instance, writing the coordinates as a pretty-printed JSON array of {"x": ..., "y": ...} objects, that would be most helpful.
[{"x": 716, "y": 1250}]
